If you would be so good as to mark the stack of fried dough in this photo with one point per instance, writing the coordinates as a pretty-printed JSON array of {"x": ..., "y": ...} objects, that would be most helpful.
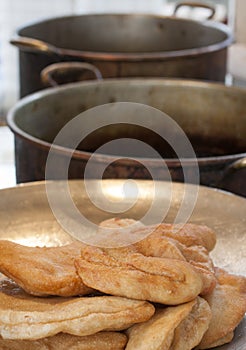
[{"x": 160, "y": 293}]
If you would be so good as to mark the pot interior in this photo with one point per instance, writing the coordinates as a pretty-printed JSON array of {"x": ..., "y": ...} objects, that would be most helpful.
[
  {"x": 212, "y": 116},
  {"x": 125, "y": 33},
  {"x": 203, "y": 146}
]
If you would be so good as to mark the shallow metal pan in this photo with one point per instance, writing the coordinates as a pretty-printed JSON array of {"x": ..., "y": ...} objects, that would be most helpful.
[{"x": 26, "y": 217}]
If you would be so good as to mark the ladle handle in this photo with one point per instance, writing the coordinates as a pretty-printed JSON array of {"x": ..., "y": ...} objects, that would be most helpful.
[
  {"x": 67, "y": 72},
  {"x": 229, "y": 180},
  {"x": 195, "y": 4},
  {"x": 35, "y": 45}
]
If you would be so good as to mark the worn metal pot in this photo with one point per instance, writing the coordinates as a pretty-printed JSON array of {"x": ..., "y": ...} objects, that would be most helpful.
[
  {"x": 124, "y": 45},
  {"x": 211, "y": 114}
]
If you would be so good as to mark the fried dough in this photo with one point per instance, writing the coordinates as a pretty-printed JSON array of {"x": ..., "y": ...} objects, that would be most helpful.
[
  {"x": 158, "y": 332},
  {"x": 116, "y": 232},
  {"x": 43, "y": 271},
  {"x": 173, "y": 328},
  {"x": 224, "y": 340},
  {"x": 189, "y": 234},
  {"x": 151, "y": 245},
  {"x": 133, "y": 275},
  {"x": 62, "y": 341},
  {"x": 50, "y": 271},
  {"x": 191, "y": 330},
  {"x": 228, "y": 306},
  {"x": 118, "y": 222},
  {"x": 159, "y": 247},
  {"x": 23, "y": 316},
  {"x": 192, "y": 243},
  {"x": 197, "y": 256}
]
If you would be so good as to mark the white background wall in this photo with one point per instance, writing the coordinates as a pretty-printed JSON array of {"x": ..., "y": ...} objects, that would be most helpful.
[{"x": 15, "y": 13}]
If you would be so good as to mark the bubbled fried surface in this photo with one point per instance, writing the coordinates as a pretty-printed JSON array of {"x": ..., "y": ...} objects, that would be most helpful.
[
  {"x": 43, "y": 271},
  {"x": 23, "y": 316},
  {"x": 62, "y": 341}
]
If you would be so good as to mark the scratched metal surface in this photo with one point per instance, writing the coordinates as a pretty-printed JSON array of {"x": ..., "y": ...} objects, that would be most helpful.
[{"x": 26, "y": 217}]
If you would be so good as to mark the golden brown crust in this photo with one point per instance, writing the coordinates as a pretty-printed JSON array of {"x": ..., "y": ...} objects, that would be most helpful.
[
  {"x": 158, "y": 332},
  {"x": 228, "y": 306},
  {"x": 118, "y": 222},
  {"x": 199, "y": 258},
  {"x": 197, "y": 255},
  {"x": 172, "y": 328},
  {"x": 170, "y": 264},
  {"x": 189, "y": 234},
  {"x": 50, "y": 271},
  {"x": 43, "y": 271},
  {"x": 160, "y": 247},
  {"x": 226, "y": 339},
  {"x": 130, "y": 274},
  {"x": 28, "y": 317},
  {"x": 62, "y": 341},
  {"x": 164, "y": 241},
  {"x": 191, "y": 330}
]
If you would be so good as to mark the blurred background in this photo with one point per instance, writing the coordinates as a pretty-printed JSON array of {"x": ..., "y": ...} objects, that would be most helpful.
[{"x": 16, "y": 13}]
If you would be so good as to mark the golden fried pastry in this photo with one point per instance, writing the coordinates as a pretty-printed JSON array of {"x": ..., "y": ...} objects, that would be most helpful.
[
  {"x": 50, "y": 271},
  {"x": 188, "y": 234},
  {"x": 62, "y": 341},
  {"x": 150, "y": 245},
  {"x": 224, "y": 340},
  {"x": 156, "y": 244},
  {"x": 118, "y": 232},
  {"x": 117, "y": 222},
  {"x": 43, "y": 271},
  {"x": 133, "y": 275},
  {"x": 173, "y": 328},
  {"x": 191, "y": 330},
  {"x": 199, "y": 258},
  {"x": 228, "y": 306},
  {"x": 23, "y": 316},
  {"x": 163, "y": 247},
  {"x": 159, "y": 247},
  {"x": 158, "y": 332}
]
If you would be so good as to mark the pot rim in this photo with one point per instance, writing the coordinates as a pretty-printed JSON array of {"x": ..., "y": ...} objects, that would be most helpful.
[
  {"x": 140, "y": 56},
  {"x": 106, "y": 158}
]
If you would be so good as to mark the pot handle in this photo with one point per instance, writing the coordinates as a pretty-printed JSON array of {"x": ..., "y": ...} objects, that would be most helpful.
[
  {"x": 67, "y": 72},
  {"x": 35, "y": 45},
  {"x": 195, "y": 4},
  {"x": 227, "y": 180}
]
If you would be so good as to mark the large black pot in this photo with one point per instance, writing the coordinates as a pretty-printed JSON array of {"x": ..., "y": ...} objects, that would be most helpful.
[
  {"x": 124, "y": 45},
  {"x": 211, "y": 114}
]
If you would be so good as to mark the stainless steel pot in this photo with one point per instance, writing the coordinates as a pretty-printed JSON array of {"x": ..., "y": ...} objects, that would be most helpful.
[
  {"x": 124, "y": 45},
  {"x": 211, "y": 114}
]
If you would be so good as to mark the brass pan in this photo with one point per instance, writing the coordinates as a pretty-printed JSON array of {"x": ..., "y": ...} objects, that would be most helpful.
[{"x": 26, "y": 217}]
